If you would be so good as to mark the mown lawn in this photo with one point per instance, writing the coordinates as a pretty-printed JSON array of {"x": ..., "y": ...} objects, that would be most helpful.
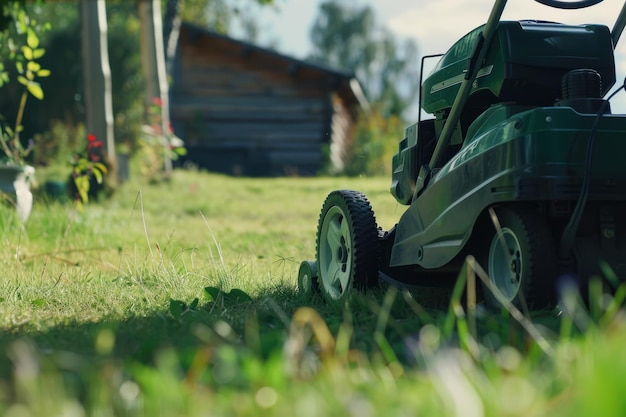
[{"x": 180, "y": 299}]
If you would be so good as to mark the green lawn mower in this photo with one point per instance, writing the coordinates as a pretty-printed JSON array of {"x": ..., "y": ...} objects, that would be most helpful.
[{"x": 522, "y": 165}]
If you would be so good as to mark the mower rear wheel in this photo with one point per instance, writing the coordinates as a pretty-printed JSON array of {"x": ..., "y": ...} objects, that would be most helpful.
[
  {"x": 521, "y": 260},
  {"x": 347, "y": 244}
]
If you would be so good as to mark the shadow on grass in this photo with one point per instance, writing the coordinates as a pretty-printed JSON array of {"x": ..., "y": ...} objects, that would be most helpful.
[
  {"x": 257, "y": 327},
  {"x": 260, "y": 323}
]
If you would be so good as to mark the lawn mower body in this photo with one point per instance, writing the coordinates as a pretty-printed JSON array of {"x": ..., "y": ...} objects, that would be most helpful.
[
  {"x": 521, "y": 165},
  {"x": 516, "y": 141},
  {"x": 519, "y": 155}
]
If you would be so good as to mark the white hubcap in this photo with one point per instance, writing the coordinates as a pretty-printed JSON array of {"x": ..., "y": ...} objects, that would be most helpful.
[
  {"x": 506, "y": 263},
  {"x": 335, "y": 263}
]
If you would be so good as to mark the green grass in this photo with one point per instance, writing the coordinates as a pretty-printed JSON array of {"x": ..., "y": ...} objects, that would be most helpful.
[{"x": 180, "y": 299}]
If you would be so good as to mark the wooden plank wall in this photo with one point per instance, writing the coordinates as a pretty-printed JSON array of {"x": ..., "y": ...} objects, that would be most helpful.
[{"x": 244, "y": 112}]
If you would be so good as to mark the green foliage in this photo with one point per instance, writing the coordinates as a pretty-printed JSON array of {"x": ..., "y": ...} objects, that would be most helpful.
[
  {"x": 178, "y": 308},
  {"x": 158, "y": 143},
  {"x": 376, "y": 141},
  {"x": 24, "y": 50},
  {"x": 234, "y": 296},
  {"x": 64, "y": 94},
  {"x": 58, "y": 144},
  {"x": 66, "y": 102},
  {"x": 65, "y": 91},
  {"x": 127, "y": 80},
  {"x": 221, "y": 15},
  {"x": 351, "y": 39},
  {"x": 86, "y": 168}
]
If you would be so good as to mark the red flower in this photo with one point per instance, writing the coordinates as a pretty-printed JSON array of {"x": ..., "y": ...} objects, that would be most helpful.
[
  {"x": 157, "y": 101},
  {"x": 94, "y": 145},
  {"x": 91, "y": 137}
]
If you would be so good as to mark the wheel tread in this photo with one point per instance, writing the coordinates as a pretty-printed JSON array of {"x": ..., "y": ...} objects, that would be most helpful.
[
  {"x": 363, "y": 229},
  {"x": 542, "y": 254}
]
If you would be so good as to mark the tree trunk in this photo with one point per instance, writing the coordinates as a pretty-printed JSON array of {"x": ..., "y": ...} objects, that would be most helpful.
[
  {"x": 97, "y": 75},
  {"x": 171, "y": 30},
  {"x": 153, "y": 63}
]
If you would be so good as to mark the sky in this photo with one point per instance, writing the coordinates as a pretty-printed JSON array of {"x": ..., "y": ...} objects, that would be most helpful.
[{"x": 434, "y": 24}]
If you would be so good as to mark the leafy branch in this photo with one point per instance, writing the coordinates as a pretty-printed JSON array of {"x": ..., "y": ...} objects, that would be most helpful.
[{"x": 28, "y": 70}]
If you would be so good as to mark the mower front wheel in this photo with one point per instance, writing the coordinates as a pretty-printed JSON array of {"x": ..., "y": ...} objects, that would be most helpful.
[
  {"x": 520, "y": 260},
  {"x": 347, "y": 244}
]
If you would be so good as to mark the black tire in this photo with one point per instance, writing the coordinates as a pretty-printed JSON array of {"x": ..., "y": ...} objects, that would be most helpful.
[
  {"x": 520, "y": 260},
  {"x": 307, "y": 278},
  {"x": 346, "y": 244}
]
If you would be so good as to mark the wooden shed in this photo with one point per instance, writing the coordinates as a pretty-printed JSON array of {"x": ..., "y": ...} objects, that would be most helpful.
[{"x": 247, "y": 110}]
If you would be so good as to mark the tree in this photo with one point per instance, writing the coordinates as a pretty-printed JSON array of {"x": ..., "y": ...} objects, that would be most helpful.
[
  {"x": 351, "y": 39},
  {"x": 217, "y": 15},
  {"x": 97, "y": 74},
  {"x": 64, "y": 107}
]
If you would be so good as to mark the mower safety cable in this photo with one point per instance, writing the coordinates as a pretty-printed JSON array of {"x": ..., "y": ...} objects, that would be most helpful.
[{"x": 569, "y": 233}]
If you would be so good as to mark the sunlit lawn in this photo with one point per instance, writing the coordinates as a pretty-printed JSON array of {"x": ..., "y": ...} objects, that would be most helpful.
[{"x": 180, "y": 299}]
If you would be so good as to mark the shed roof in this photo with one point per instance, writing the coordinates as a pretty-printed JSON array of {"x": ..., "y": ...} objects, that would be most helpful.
[{"x": 345, "y": 83}]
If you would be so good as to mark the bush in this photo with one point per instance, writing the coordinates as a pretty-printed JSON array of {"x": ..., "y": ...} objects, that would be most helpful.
[{"x": 375, "y": 143}]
